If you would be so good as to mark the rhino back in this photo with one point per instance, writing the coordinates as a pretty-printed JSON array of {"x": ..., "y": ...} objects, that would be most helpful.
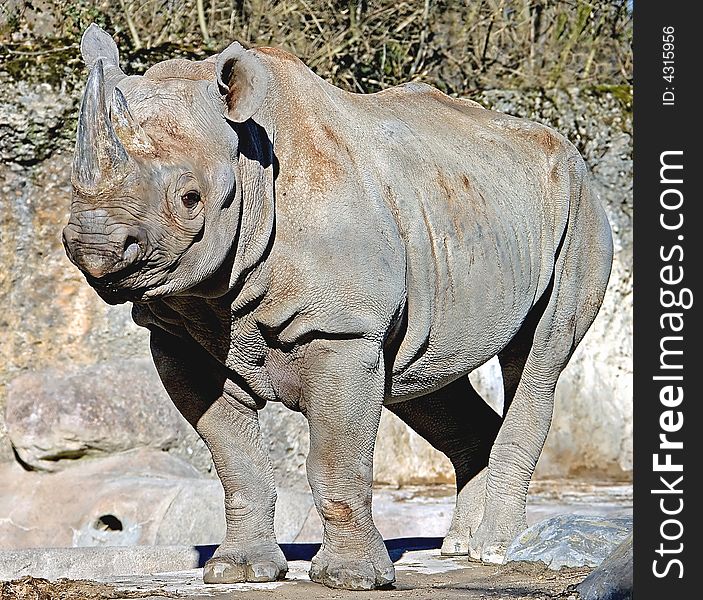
[
  {"x": 408, "y": 200},
  {"x": 480, "y": 200}
]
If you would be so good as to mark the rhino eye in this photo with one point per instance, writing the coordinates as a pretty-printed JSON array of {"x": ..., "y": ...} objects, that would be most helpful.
[{"x": 190, "y": 199}]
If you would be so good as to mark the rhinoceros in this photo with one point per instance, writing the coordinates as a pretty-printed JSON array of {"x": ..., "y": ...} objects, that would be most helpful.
[{"x": 287, "y": 241}]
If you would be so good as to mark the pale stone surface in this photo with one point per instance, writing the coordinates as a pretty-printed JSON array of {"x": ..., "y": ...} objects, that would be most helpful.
[
  {"x": 133, "y": 498},
  {"x": 421, "y": 574},
  {"x": 167, "y": 566},
  {"x": 570, "y": 540},
  {"x": 402, "y": 457},
  {"x": 488, "y": 381},
  {"x": 89, "y": 563}
]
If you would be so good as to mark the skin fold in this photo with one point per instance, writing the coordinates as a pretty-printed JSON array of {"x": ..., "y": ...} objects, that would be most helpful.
[{"x": 286, "y": 241}]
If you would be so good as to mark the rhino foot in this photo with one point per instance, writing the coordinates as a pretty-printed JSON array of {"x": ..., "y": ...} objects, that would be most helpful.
[
  {"x": 490, "y": 544},
  {"x": 493, "y": 552},
  {"x": 455, "y": 545},
  {"x": 350, "y": 573},
  {"x": 257, "y": 565}
]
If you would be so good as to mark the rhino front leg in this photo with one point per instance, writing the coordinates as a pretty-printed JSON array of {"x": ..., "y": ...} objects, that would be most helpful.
[
  {"x": 230, "y": 429},
  {"x": 249, "y": 551},
  {"x": 343, "y": 385}
]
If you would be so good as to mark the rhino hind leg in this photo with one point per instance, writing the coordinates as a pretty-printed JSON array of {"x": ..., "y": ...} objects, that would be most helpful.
[
  {"x": 458, "y": 423},
  {"x": 468, "y": 513},
  {"x": 571, "y": 303}
]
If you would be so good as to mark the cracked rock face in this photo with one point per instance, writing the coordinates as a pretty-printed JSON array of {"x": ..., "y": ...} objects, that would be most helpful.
[
  {"x": 33, "y": 125},
  {"x": 53, "y": 321}
]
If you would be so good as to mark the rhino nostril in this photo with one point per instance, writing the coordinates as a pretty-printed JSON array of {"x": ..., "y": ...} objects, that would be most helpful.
[
  {"x": 132, "y": 250},
  {"x": 135, "y": 245}
]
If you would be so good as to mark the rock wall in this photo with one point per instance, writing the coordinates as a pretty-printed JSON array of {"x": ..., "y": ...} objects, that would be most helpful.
[{"x": 53, "y": 322}]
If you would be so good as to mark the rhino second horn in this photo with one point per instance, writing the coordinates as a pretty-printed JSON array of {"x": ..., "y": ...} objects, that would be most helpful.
[
  {"x": 100, "y": 156},
  {"x": 128, "y": 130}
]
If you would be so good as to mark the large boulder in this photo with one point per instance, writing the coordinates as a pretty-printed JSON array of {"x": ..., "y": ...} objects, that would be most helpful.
[
  {"x": 570, "y": 540},
  {"x": 96, "y": 410}
]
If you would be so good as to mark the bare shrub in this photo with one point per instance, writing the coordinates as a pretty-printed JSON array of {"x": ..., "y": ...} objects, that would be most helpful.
[{"x": 364, "y": 45}]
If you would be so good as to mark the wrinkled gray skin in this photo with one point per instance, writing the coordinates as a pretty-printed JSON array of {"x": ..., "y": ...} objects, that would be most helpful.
[{"x": 284, "y": 240}]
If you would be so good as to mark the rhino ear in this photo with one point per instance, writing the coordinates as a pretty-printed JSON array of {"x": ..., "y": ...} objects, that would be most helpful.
[
  {"x": 96, "y": 44},
  {"x": 243, "y": 79}
]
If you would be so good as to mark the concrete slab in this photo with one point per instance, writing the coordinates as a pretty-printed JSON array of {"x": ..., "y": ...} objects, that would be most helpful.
[{"x": 88, "y": 563}]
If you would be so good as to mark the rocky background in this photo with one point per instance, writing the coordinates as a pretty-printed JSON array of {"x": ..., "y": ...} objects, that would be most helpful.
[{"x": 76, "y": 382}]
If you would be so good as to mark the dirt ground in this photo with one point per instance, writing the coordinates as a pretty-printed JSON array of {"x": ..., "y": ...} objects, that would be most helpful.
[{"x": 515, "y": 581}]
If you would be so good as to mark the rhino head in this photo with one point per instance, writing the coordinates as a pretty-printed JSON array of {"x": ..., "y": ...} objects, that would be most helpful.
[{"x": 156, "y": 182}]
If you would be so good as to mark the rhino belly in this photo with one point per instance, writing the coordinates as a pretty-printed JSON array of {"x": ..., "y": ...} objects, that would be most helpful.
[{"x": 469, "y": 288}]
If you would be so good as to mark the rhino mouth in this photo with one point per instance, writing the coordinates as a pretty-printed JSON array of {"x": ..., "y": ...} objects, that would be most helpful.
[
  {"x": 118, "y": 295},
  {"x": 118, "y": 287},
  {"x": 115, "y": 297}
]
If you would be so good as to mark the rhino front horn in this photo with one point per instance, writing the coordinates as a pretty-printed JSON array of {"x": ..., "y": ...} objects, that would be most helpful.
[{"x": 100, "y": 156}]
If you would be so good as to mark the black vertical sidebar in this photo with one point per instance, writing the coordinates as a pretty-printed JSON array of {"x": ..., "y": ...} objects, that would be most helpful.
[{"x": 668, "y": 348}]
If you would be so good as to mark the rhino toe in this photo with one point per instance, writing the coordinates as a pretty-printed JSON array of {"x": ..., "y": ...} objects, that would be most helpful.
[{"x": 254, "y": 566}]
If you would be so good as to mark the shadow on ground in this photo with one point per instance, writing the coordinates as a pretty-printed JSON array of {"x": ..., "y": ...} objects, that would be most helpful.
[{"x": 396, "y": 548}]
